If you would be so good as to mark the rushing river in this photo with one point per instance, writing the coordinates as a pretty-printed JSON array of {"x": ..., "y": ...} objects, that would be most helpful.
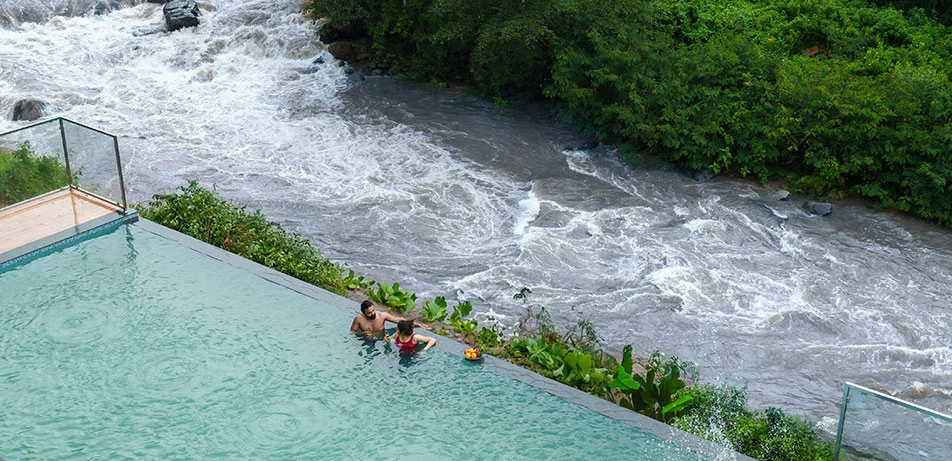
[{"x": 453, "y": 196}]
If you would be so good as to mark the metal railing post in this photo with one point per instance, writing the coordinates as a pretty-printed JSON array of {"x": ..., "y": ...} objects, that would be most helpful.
[
  {"x": 122, "y": 184},
  {"x": 839, "y": 427},
  {"x": 69, "y": 173}
]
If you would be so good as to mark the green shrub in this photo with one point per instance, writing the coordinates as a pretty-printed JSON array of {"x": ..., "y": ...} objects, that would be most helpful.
[
  {"x": 774, "y": 435},
  {"x": 714, "y": 409},
  {"x": 202, "y": 214},
  {"x": 720, "y": 414},
  {"x": 656, "y": 392},
  {"x": 24, "y": 175}
]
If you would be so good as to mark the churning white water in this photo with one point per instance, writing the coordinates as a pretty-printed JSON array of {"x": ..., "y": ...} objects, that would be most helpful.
[{"x": 453, "y": 196}]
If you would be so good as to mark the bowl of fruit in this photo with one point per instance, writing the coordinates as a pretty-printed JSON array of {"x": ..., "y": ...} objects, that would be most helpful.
[{"x": 473, "y": 353}]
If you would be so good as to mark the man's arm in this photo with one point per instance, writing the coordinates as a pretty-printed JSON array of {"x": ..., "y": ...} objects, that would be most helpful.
[
  {"x": 388, "y": 317},
  {"x": 393, "y": 318},
  {"x": 354, "y": 326}
]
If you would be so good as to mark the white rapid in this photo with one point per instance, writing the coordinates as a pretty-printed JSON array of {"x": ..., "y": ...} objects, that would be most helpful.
[{"x": 453, "y": 196}]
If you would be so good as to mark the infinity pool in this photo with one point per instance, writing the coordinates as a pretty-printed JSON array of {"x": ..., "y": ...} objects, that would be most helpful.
[{"x": 132, "y": 345}]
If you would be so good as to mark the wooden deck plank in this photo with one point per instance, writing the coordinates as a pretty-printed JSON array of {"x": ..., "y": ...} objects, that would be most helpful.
[{"x": 43, "y": 216}]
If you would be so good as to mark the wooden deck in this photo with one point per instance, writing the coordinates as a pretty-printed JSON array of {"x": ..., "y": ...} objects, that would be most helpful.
[{"x": 41, "y": 217}]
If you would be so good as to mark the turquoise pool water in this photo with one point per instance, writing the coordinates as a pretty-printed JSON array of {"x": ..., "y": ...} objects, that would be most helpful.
[{"x": 130, "y": 345}]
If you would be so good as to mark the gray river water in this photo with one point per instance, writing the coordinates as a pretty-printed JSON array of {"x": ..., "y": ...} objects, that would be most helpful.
[{"x": 453, "y": 196}]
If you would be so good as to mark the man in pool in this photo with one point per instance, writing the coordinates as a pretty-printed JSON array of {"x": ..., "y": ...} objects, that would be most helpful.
[{"x": 369, "y": 322}]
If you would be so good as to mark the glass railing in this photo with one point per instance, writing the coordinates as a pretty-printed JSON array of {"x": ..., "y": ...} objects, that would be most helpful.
[
  {"x": 877, "y": 426},
  {"x": 59, "y": 153}
]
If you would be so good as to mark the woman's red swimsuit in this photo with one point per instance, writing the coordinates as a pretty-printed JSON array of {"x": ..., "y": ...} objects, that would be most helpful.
[{"x": 406, "y": 347}]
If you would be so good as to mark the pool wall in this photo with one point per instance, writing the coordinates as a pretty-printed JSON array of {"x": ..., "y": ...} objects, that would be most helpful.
[
  {"x": 65, "y": 238},
  {"x": 598, "y": 405}
]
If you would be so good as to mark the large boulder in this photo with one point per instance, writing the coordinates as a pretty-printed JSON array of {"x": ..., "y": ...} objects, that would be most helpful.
[
  {"x": 357, "y": 53},
  {"x": 181, "y": 13},
  {"x": 820, "y": 208},
  {"x": 28, "y": 109},
  {"x": 704, "y": 175}
]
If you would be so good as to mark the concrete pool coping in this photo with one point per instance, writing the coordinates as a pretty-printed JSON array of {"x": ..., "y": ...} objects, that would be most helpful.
[
  {"x": 623, "y": 415},
  {"x": 51, "y": 219}
]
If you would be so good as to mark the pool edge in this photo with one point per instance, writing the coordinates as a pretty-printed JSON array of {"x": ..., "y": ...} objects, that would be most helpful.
[
  {"x": 608, "y": 409},
  {"x": 67, "y": 237}
]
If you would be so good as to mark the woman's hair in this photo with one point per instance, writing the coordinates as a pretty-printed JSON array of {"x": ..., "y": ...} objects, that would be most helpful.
[{"x": 405, "y": 327}]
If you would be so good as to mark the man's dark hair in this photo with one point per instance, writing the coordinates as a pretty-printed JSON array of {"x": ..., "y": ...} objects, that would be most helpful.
[{"x": 367, "y": 304}]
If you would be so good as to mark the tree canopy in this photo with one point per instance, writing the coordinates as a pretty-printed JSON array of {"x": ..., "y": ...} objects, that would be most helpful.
[{"x": 836, "y": 97}]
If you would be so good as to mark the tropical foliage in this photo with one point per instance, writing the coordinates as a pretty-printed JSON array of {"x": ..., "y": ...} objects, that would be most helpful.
[
  {"x": 656, "y": 386},
  {"x": 837, "y": 97},
  {"x": 203, "y": 214},
  {"x": 392, "y": 295}
]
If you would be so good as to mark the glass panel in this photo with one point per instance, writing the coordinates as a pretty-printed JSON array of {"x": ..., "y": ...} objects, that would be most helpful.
[
  {"x": 90, "y": 155},
  {"x": 92, "y": 159},
  {"x": 32, "y": 162},
  {"x": 879, "y": 427}
]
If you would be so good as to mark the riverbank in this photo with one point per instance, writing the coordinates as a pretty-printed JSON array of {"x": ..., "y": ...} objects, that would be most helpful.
[{"x": 829, "y": 106}]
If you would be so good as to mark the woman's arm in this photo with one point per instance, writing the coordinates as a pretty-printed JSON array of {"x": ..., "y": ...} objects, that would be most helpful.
[{"x": 424, "y": 339}]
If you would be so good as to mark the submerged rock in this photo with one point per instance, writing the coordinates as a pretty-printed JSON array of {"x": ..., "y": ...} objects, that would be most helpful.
[
  {"x": 703, "y": 175},
  {"x": 780, "y": 194},
  {"x": 820, "y": 208},
  {"x": 357, "y": 53},
  {"x": 28, "y": 109},
  {"x": 180, "y": 14}
]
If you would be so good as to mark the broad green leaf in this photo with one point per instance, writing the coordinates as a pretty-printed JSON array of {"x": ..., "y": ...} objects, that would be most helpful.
[{"x": 624, "y": 381}]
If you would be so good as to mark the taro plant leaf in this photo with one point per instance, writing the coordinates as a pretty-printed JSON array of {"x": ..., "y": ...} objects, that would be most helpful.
[
  {"x": 534, "y": 346},
  {"x": 434, "y": 310},
  {"x": 463, "y": 308},
  {"x": 410, "y": 303},
  {"x": 598, "y": 375},
  {"x": 352, "y": 282},
  {"x": 680, "y": 404},
  {"x": 626, "y": 362},
  {"x": 571, "y": 359},
  {"x": 624, "y": 381},
  {"x": 584, "y": 363},
  {"x": 383, "y": 291},
  {"x": 669, "y": 384},
  {"x": 469, "y": 326}
]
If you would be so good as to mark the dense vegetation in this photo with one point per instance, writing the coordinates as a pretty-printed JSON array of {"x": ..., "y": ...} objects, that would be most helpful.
[
  {"x": 836, "y": 97},
  {"x": 24, "y": 175},
  {"x": 656, "y": 386},
  {"x": 203, "y": 214}
]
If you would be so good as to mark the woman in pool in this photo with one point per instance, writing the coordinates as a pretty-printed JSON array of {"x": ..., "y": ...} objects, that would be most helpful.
[{"x": 406, "y": 340}]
